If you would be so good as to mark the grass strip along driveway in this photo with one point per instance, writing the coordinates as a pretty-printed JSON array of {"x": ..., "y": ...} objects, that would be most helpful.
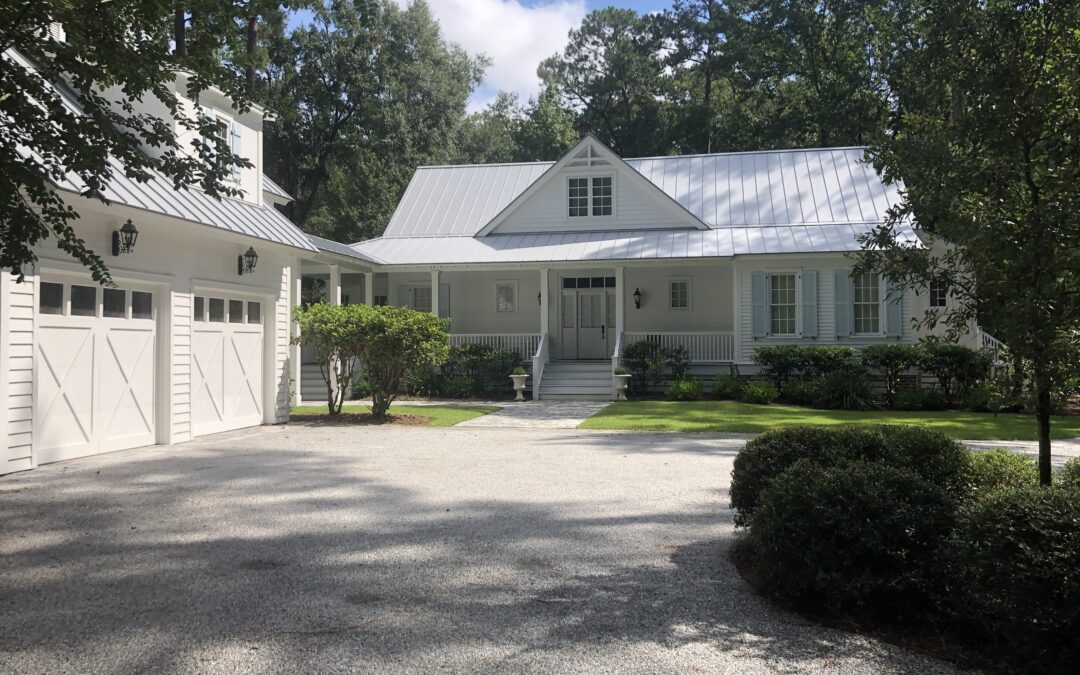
[
  {"x": 730, "y": 416},
  {"x": 438, "y": 415}
]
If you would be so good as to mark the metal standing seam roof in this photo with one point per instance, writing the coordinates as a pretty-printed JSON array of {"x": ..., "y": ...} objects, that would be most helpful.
[
  {"x": 339, "y": 248},
  {"x": 268, "y": 185}
]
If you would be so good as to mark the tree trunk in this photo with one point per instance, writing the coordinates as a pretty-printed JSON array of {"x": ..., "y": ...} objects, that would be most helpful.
[
  {"x": 380, "y": 403},
  {"x": 180, "y": 30},
  {"x": 1042, "y": 416},
  {"x": 252, "y": 28}
]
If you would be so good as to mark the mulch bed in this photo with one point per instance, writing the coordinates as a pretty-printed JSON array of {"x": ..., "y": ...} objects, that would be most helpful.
[{"x": 359, "y": 419}]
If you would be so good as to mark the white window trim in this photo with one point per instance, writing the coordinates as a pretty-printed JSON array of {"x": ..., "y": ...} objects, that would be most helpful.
[
  {"x": 589, "y": 193},
  {"x": 882, "y": 291},
  {"x": 689, "y": 293},
  {"x": 930, "y": 296},
  {"x": 513, "y": 284},
  {"x": 412, "y": 295},
  {"x": 228, "y": 122},
  {"x": 798, "y": 304}
]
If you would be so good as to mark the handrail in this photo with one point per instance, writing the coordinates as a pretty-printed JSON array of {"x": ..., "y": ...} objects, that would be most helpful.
[{"x": 539, "y": 360}]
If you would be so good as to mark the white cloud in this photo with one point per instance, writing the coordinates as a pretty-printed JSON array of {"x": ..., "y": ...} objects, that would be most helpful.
[{"x": 515, "y": 36}]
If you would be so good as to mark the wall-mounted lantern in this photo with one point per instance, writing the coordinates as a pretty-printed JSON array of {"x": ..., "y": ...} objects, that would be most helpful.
[
  {"x": 637, "y": 298},
  {"x": 245, "y": 264},
  {"x": 123, "y": 240}
]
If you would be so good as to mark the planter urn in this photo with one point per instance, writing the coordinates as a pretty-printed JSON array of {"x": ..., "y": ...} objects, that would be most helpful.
[
  {"x": 519, "y": 386},
  {"x": 621, "y": 382}
]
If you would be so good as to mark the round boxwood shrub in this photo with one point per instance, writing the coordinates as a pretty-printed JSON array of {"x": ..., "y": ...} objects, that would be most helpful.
[
  {"x": 761, "y": 393},
  {"x": 1068, "y": 476},
  {"x": 685, "y": 390},
  {"x": 1015, "y": 555},
  {"x": 1000, "y": 469},
  {"x": 932, "y": 455},
  {"x": 728, "y": 387},
  {"x": 859, "y": 539}
]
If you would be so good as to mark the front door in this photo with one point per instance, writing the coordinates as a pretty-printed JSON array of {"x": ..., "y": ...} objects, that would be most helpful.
[{"x": 591, "y": 334}]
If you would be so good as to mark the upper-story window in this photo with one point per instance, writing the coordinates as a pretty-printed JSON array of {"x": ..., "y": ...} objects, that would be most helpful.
[
  {"x": 225, "y": 132},
  {"x": 590, "y": 195},
  {"x": 939, "y": 293}
]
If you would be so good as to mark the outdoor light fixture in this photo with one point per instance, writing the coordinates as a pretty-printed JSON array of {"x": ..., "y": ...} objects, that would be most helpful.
[
  {"x": 245, "y": 264},
  {"x": 123, "y": 240},
  {"x": 538, "y": 300},
  {"x": 637, "y": 298}
]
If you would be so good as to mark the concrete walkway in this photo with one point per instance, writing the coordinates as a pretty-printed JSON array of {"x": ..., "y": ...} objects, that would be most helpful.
[{"x": 539, "y": 415}]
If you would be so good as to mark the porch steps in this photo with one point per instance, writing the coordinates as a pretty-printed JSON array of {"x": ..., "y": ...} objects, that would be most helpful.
[
  {"x": 312, "y": 385},
  {"x": 576, "y": 380}
]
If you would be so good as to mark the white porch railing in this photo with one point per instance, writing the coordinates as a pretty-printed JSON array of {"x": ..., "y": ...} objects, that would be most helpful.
[
  {"x": 704, "y": 347},
  {"x": 539, "y": 360},
  {"x": 524, "y": 344}
]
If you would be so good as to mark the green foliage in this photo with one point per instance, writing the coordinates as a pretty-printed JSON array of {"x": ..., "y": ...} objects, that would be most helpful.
[
  {"x": 801, "y": 392},
  {"x": 677, "y": 361},
  {"x": 779, "y": 363},
  {"x": 619, "y": 370},
  {"x": 823, "y": 360},
  {"x": 518, "y": 371},
  {"x": 396, "y": 342},
  {"x": 334, "y": 334},
  {"x": 917, "y": 398},
  {"x": 761, "y": 393},
  {"x": 956, "y": 368},
  {"x": 485, "y": 368},
  {"x": 1068, "y": 476},
  {"x": 361, "y": 389},
  {"x": 981, "y": 398},
  {"x": 857, "y": 539},
  {"x": 1014, "y": 558},
  {"x": 685, "y": 390},
  {"x": 890, "y": 362},
  {"x": 645, "y": 361},
  {"x": 845, "y": 389},
  {"x": 1000, "y": 469},
  {"x": 728, "y": 387},
  {"x": 455, "y": 386}
]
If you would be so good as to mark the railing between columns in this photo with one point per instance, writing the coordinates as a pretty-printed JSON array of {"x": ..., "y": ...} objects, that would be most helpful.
[
  {"x": 539, "y": 360},
  {"x": 524, "y": 344},
  {"x": 704, "y": 347}
]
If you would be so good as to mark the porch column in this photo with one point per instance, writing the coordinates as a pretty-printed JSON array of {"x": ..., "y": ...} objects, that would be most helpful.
[
  {"x": 294, "y": 331},
  {"x": 333, "y": 289},
  {"x": 736, "y": 338},
  {"x": 435, "y": 292},
  {"x": 369, "y": 288},
  {"x": 620, "y": 306},
  {"x": 545, "y": 318}
]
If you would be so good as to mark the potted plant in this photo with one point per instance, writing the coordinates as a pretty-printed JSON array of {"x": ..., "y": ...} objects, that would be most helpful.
[
  {"x": 519, "y": 376},
  {"x": 621, "y": 378}
]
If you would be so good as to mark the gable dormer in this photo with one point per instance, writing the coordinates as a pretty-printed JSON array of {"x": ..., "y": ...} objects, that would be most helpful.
[{"x": 591, "y": 189}]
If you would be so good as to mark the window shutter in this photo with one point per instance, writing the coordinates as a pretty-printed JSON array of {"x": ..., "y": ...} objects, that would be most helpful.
[
  {"x": 208, "y": 140},
  {"x": 759, "y": 311},
  {"x": 403, "y": 295},
  {"x": 444, "y": 300},
  {"x": 809, "y": 303},
  {"x": 894, "y": 309},
  {"x": 235, "y": 149},
  {"x": 844, "y": 309}
]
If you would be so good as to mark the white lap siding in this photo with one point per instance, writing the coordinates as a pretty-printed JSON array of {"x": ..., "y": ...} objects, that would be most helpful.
[
  {"x": 181, "y": 366},
  {"x": 282, "y": 353},
  {"x": 16, "y": 361}
]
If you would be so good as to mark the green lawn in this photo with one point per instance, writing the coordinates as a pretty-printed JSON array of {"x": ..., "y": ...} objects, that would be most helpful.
[
  {"x": 439, "y": 415},
  {"x": 719, "y": 416}
]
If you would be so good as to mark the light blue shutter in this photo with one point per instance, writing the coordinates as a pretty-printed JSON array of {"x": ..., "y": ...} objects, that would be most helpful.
[
  {"x": 759, "y": 319},
  {"x": 894, "y": 310},
  {"x": 403, "y": 295},
  {"x": 444, "y": 300},
  {"x": 208, "y": 140},
  {"x": 844, "y": 309},
  {"x": 809, "y": 303},
  {"x": 235, "y": 149}
]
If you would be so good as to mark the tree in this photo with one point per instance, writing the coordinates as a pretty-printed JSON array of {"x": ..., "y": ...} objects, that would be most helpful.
[
  {"x": 397, "y": 342},
  {"x": 113, "y": 56},
  {"x": 334, "y": 333},
  {"x": 985, "y": 134},
  {"x": 491, "y": 135}
]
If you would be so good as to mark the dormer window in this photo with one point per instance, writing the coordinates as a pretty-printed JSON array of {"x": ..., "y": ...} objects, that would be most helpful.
[
  {"x": 590, "y": 195},
  {"x": 226, "y": 132}
]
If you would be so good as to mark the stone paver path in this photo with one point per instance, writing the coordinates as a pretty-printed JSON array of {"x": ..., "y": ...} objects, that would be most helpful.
[
  {"x": 1063, "y": 449},
  {"x": 539, "y": 415}
]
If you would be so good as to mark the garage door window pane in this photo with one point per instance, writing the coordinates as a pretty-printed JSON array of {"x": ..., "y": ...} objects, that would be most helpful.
[
  {"x": 217, "y": 310},
  {"x": 200, "y": 309},
  {"x": 114, "y": 303},
  {"x": 236, "y": 311},
  {"x": 83, "y": 301},
  {"x": 254, "y": 312},
  {"x": 52, "y": 298},
  {"x": 142, "y": 305}
]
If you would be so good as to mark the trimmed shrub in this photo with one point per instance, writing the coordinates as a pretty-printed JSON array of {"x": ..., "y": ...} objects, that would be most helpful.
[
  {"x": 677, "y": 361},
  {"x": 456, "y": 386},
  {"x": 801, "y": 392},
  {"x": 685, "y": 390},
  {"x": 1000, "y": 469},
  {"x": 916, "y": 398},
  {"x": 859, "y": 539},
  {"x": 931, "y": 454},
  {"x": 487, "y": 369},
  {"x": 890, "y": 362},
  {"x": 761, "y": 393},
  {"x": 1014, "y": 557},
  {"x": 822, "y": 360},
  {"x": 645, "y": 361},
  {"x": 728, "y": 387},
  {"x": 845, "y": 389},
  {"x": 1068, "y": 476},
  {"x": 980, "y": 398},
  {"x": 779, "y": 363},
  {"x": 361, "y": 389},
  {"x": 956, "y": 368}
]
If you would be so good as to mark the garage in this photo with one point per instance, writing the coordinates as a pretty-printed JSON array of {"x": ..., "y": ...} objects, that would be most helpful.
[
  {"x": 227, "y": 364},
  {"x": 95, "y": 368}
]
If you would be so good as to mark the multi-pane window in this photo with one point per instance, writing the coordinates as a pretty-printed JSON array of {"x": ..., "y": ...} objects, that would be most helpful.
[
  {"x": 51, "y": 298},
  {"x": 77, "y": 300},
  {"x": 505, "y": 296},
  {"x": 578, "y": 197},
  {"x": 602, "y": 195},
  {"x": 867, "y": 303},
  {"x": 939, "y": 293},
  {"x": 421, "y": 298},
  {"x": 588, "y": 282},
  {"x": 679, "y": 294},
  {"x": 783, "y": 304}
]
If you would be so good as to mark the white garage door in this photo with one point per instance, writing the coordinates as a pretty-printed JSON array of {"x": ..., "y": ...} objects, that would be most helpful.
[
  {"x": 227, "y": 364},
  {"x": 95, "y": 369}
]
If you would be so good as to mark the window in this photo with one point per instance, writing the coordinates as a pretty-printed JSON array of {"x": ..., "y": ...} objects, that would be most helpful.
[
  {"x": 939, "y": 293},
  {"x": 593, "y": 195},
  {"x": 588, "y": 282},
  {"x": 114, "y": 303},
  {"x": 83, "y": 301},
  {"x": 421, "y": 298},
  {"x": 254, "y": 312},
  {"x": 679, "y": 294},
  {"x": 51, "y": 298},
  {"x": 867, "y": 304},
  {"x": 381, "y": 300},
  {"x": 142, "y": 305},
  {"x": 505, "y": 296},
  {"x": 217, "y": 310},
  {"x": 236, "y": 311},
  {"x": 200, "y": 308},
  {"x": 783, "y": 304}
]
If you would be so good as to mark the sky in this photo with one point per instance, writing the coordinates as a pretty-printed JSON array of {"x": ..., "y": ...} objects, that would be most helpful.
[{"x": 517, "y": 35}]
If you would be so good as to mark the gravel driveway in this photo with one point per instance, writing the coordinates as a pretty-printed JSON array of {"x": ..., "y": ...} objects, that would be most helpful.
[{"x": 383, "y": 549}]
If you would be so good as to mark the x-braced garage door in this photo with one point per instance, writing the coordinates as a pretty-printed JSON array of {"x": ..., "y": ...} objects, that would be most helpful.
[{"x": 227, "y": 363}]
